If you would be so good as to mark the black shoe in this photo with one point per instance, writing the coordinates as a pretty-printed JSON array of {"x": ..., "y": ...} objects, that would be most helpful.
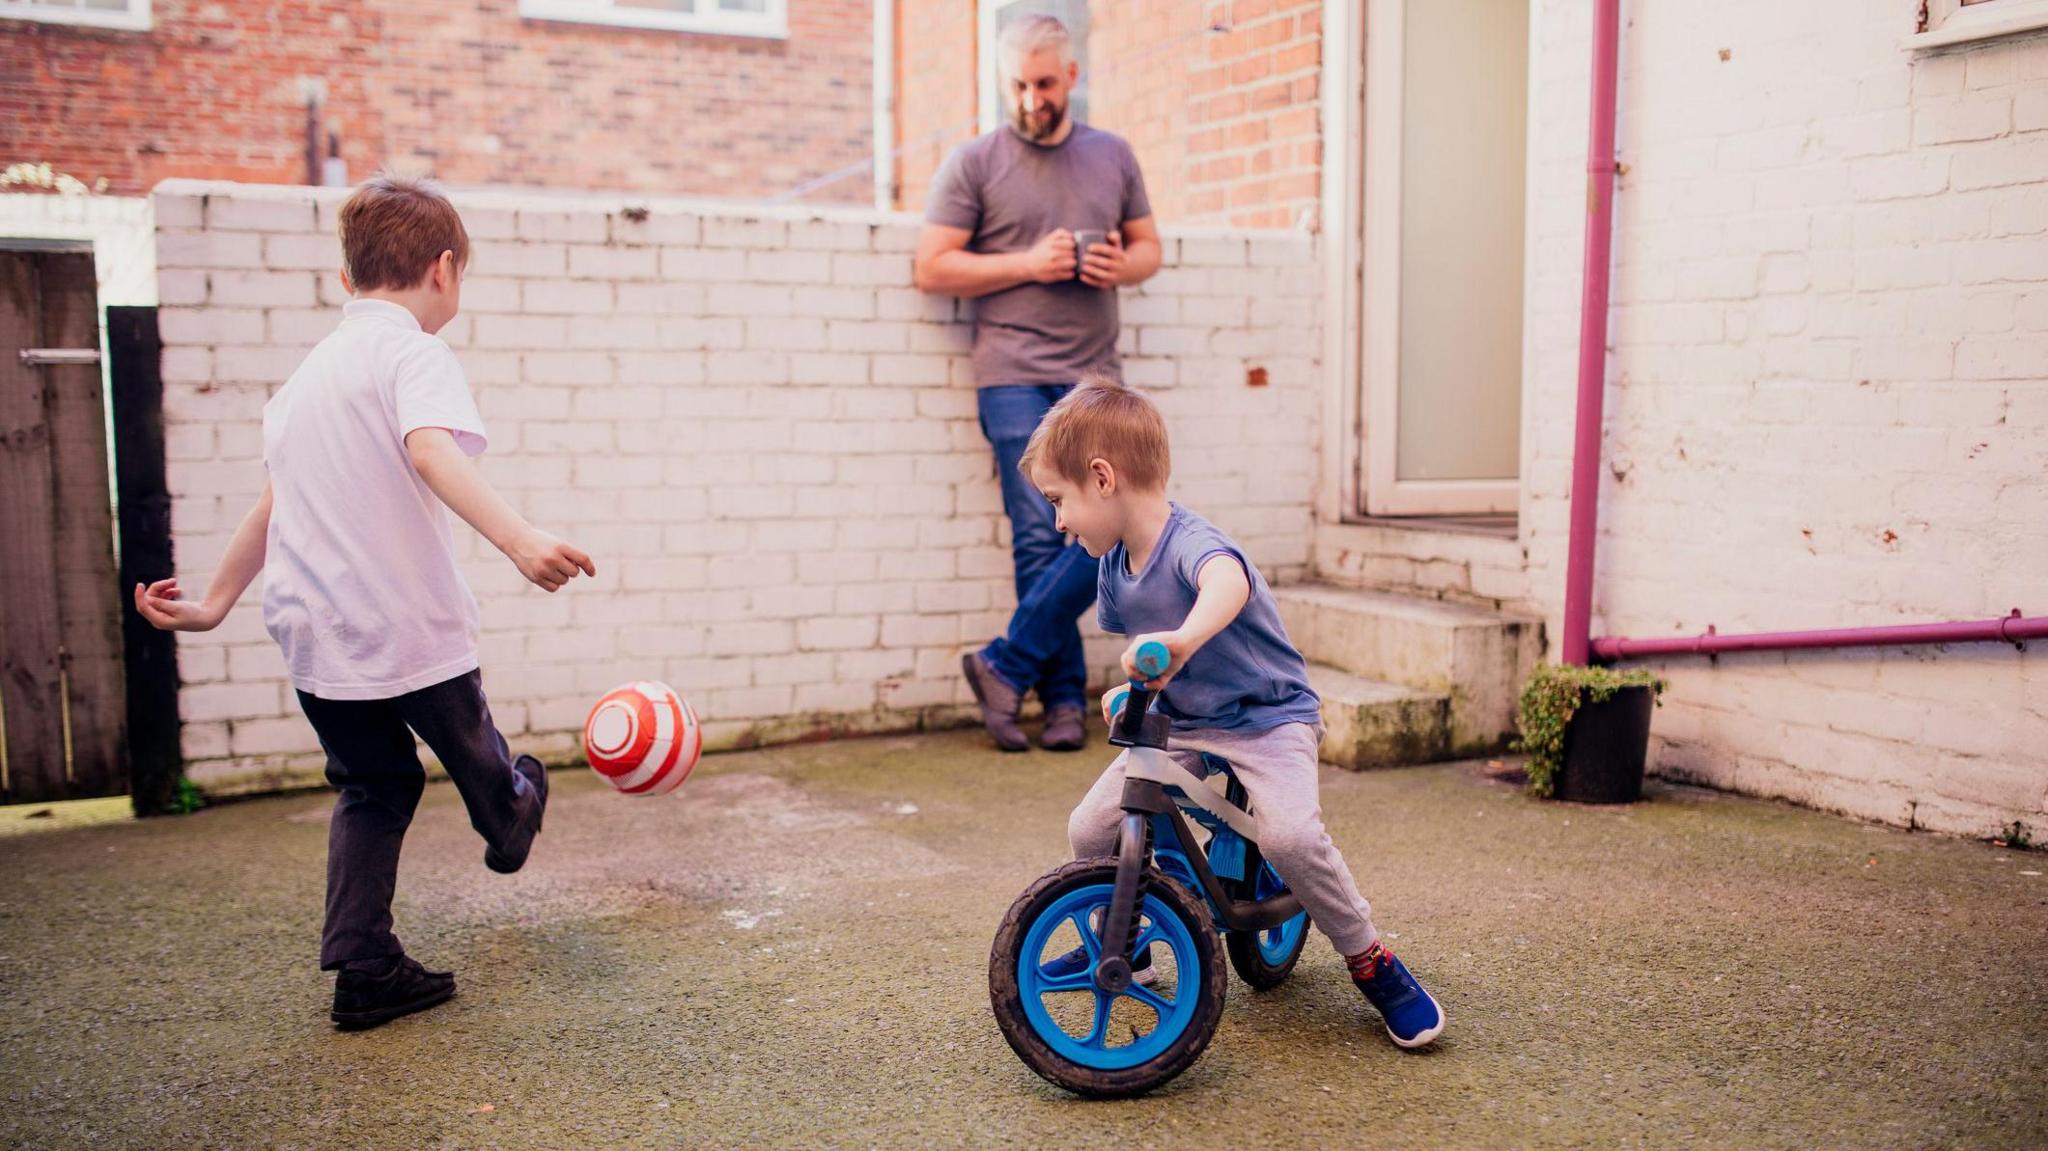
[
  {"x": 1065, "y": 729},
  {"x": 999, "y": 703},
  {"x": 364, "y": 999},
  {"x": 536, "y": 773}
]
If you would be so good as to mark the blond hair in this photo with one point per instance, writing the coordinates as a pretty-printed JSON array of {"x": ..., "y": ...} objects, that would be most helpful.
[
  {"x": 394, "y": 228},
  {"x": 1101, "y": 419},
  {"x": 1030, "y": 34}
]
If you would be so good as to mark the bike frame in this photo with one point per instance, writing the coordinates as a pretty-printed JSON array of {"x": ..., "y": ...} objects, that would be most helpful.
[{"x": 1152, "y": 814}]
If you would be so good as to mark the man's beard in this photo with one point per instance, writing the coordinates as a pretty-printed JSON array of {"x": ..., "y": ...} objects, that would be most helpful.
[{"x": 1028, "y": 124}]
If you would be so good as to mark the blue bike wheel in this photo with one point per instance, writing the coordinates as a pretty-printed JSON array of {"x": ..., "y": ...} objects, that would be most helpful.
[{"x": 1042, "y": 983}]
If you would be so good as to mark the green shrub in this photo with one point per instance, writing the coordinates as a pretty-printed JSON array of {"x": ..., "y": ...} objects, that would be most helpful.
[
  {"x": 186, "y": 798},
  {"x": 1552, "y": 696}
]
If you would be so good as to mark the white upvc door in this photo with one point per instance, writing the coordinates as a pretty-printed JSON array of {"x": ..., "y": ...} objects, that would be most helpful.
[{"x": 1445, "y": 253}]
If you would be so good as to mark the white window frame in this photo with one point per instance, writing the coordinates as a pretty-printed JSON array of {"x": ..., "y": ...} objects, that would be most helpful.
[
  {"x": 1954, "y": 22},
  {"x": 136, "y": 19},
  {"x": 988, "y": 100},
  {"x": 770, "y": 25}
]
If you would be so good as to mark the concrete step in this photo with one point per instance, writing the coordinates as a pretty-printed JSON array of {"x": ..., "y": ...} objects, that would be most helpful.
[
  {"x": 1372, "y": 724},
  {"x": 1476, "y": 656}
]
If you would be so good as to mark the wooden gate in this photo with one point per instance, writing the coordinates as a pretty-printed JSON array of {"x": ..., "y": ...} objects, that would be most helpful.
[{"x": 62, "y": 696}]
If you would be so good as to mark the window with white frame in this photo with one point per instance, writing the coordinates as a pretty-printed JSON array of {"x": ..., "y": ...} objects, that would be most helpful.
[
  {"x": 1945, "y": 22},
  {"x": 129, "y": 14},
  {"x": 997, "y": 14},
  {"x": 765, "y": 18}
]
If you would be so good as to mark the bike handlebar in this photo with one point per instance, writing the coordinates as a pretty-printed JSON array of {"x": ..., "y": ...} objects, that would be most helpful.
[{"x": 1153, "y": 659}]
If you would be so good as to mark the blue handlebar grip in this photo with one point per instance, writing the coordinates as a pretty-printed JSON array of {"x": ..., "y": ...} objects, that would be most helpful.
[
  {"x": 1117, "y": 702},
  {"x": 1153, "y": 659}
]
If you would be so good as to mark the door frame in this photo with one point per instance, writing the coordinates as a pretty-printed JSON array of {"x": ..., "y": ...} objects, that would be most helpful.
[
  {"x": 1338, "y": 497},
  {"x": 1361, "y": 135}
]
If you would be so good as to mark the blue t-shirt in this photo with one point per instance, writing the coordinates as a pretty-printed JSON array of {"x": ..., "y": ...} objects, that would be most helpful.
[{"x": 1249, "y": 677}]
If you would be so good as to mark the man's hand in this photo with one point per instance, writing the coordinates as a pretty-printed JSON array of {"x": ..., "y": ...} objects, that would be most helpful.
[
  {"x": 547, "y": 561},
  {"x": 1051, "y": 259},
  {"x": 1178, "y": 648},
  {"x": 1104, "y": 265},
  {"x": 163, "y": 605}
]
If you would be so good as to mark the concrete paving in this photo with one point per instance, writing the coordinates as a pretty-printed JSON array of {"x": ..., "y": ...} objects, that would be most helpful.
[{"x": 793, "y": 952}]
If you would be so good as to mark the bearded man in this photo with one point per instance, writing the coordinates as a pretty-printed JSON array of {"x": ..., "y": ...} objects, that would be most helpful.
[{"x": 1040, "y": 221}]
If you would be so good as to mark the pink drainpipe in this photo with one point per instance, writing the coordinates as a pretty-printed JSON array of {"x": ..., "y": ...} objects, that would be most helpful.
[
  {"x": 1578, "y": 578},
  {"x": 2012, "y": 629},
  {"x": 1578, "y": 594}
]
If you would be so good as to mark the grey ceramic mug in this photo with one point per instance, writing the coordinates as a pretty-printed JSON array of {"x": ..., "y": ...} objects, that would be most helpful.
[{"x": 1085, "y": 238}]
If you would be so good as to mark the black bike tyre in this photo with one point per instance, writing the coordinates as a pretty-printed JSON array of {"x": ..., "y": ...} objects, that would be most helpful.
[
  {"x": 1246, "y": 958},
  {"x": 1006, "y": 999}
]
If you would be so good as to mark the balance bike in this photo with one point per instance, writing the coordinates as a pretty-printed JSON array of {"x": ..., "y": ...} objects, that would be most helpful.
[{"x": 1071, "y": 964}]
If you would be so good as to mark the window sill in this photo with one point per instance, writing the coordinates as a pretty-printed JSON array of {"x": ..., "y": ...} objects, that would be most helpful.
[
  {"x": 130, "y": 21},
  {"x": 1965, "y": 26},
  {"x": 759, "y": 27}
]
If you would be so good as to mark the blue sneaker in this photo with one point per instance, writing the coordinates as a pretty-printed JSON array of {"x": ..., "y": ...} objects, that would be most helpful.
[
  {"x": 1413, "y": 1018},
  {"x": 1076, "y": 961}
]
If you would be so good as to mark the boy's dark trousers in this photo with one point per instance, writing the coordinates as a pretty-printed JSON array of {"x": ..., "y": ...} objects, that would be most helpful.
[{"x": 372, "y": 759}]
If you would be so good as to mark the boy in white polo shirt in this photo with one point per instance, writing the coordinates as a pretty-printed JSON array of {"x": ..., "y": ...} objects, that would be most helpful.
[{"x": 365, "y": 445}]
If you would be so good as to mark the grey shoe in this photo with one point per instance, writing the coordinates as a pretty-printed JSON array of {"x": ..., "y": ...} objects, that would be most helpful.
[
  {"x": 1066, "y": 729},
  {"x": 999, "y": 702}
]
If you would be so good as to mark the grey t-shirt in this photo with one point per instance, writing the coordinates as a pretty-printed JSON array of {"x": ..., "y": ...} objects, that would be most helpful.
[
  {"x": 1248, "y": 678},
  {"x": 1009, "y": 193}
]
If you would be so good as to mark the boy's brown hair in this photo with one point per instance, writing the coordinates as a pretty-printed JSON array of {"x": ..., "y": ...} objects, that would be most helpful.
[
  {"x": 394, "y": 228},
  {"x": 1103, "y": 419}
]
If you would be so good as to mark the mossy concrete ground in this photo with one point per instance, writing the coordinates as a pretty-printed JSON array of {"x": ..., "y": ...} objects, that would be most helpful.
[{"x": 793, "y": 952}]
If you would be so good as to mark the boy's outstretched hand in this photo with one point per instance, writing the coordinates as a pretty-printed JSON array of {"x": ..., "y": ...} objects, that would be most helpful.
[
  {"x": 541, "y": 558},
  {"x": 1177, "y": 647},
  {"x": 163, "y": 605},
  {"x": 549, "y": 562}
]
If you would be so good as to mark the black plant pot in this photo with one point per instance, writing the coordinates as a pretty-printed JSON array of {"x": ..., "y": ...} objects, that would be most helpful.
[{"x": 1605, "y": 748}]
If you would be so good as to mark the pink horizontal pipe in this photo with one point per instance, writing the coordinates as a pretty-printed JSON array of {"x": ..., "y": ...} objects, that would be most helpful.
[{"x": 2008, "y": 629}]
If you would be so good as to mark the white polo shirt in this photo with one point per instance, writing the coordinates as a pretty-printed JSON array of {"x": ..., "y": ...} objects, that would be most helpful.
[{"x": 360, "y": 587}]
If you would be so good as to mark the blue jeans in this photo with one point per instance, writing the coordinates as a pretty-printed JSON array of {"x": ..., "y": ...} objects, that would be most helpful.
[{"x": 1055, "y": 579}]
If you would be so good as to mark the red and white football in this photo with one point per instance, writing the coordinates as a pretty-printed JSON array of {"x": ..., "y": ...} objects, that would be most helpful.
[{"x": 643, "y": 738}]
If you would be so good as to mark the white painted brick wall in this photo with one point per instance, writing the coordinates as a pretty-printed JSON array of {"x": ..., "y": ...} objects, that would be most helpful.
[
  {"x": 1830, "y": 348},
  {"x": 121, "y": 229},
  {"x": 763, "y": 434}
]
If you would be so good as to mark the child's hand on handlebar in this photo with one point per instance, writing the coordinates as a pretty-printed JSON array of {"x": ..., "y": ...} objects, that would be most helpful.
[
  {"x": 1113, "y": 701},
  {"x": 1176, "y": 648}
]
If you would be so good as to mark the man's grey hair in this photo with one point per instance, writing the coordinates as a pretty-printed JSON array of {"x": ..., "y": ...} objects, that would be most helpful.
[{"x": 1027, "y": 35}]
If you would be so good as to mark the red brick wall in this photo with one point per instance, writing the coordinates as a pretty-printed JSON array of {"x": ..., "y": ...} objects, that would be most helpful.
[
  {"x": 1255, "y": 156},
  {"x": 935, "y": 91},
  {"x": 1226, "y": 125},
  {"x": 211, "y": 92},
  {"x": 1140, "y": 52},
  {"x": 468, "y": 90}
]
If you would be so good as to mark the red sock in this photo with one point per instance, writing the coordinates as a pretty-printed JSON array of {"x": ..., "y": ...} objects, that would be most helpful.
[{"x": 1366, "y": 964}]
